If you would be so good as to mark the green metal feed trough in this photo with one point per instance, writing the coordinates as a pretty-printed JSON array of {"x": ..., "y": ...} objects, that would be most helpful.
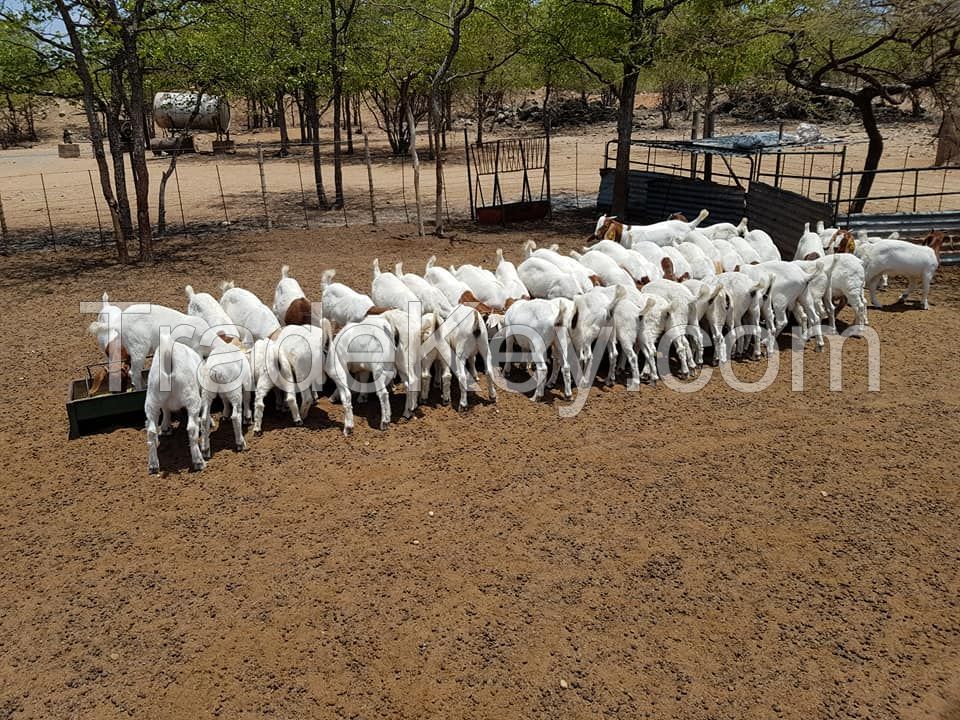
[{"x": 88, "y": 414}]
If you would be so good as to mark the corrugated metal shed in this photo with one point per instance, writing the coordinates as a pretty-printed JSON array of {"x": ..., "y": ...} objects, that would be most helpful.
[
  {"x": 655, "y": 196},
  {"x": 782, "y": 215}
]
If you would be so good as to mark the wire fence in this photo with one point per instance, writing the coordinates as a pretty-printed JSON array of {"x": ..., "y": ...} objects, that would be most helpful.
[{"x": 256, "y": 187}]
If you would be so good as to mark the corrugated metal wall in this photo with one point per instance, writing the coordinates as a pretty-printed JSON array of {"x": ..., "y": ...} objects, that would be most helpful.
[
  {"x": 782, "y": 214},
  {"x": 655, "y": 196}
]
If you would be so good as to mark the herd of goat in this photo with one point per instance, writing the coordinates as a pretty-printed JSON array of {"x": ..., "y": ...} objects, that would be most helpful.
[{"x": 619, "y": 296}]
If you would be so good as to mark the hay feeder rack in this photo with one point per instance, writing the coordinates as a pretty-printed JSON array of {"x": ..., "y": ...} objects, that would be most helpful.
[{"x": 508, "y": 156}]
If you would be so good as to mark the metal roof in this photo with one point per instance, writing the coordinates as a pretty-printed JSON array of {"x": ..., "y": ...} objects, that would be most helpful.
[{"x": 743, "y": 145}]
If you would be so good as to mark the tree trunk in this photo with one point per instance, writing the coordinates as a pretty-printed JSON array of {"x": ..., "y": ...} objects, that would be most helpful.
[
  {"x": 336, "y": 76},
  {"x": 621, "y": 174},
  {"x": 112, "y": 116},
  {"x": 347, "y": 123},
  {"x": 415, "y": 161},
  {"x": 864, "y": 105},
  {"x": 313, "y": 117},
  {"x": 120, "y": 237},
  {"x": 548, "y": 87},
  {"x": 133, "y": 103},
  {"x": 282, "y": 121},
  {"x": 437, "y": 122},
  {"x": 948, "y": 137},
  {"x": 162, "y": 199},
  {"x": 481, "y": 107}
]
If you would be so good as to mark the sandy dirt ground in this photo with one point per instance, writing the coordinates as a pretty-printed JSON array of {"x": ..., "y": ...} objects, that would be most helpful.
[{"x": 708, "y": 555}]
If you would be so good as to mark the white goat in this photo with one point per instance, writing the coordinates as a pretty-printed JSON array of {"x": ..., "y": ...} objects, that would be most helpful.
[
  {"x": 290, "y": 304},
  {"x": 810, "y": 246},
  {"x": 387, "y": 290},
  {"x": 640, "y": 269},
  {"x": 140, "y": 329},
  {"x": 709, "y": 308},
  {"x": 342, "y": 304},
  {"x": 484, "y": 285},
  {"x": 725, "y": 230},
  {"x": 252, "y": 317},
  {"x": 918, "y": 263},
  {"x": 604, "y": 267},
  {"x": 455, "y": 346},
  {"x": 680, "y": 299},
  {"x": 454, "y": 290},
  {"x": 432, "y": 299},
  {"x": 225, "y": 372},
  {"x": 507, "y": 274},
  {"x": 536, "y": 326},
  {"x": 204, "y": 305},
  {"x": 665, "y": 232},
  {"x": 592, "y": 311},
  {"x": 580, "y": 274},
  {"x": 172, "y": 385},
  {"x": 763, "y": 244},
  {"x": 547, "y": 281},
  {"x": 369, "y": 347}
]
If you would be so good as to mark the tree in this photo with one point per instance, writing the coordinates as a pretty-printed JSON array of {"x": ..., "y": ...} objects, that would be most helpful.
[
  {"x": 612, "y": 40},
  {"x": 868, "y": 50}
]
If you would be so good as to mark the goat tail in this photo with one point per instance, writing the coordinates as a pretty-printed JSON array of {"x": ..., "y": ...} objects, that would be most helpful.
[
  {"x": 528, "y": 247},
  {"x": 105, "y": 297},
  {"x": 283, "y": 271},
  {"x": 575, "y": 255},
  {"x": 326, "y": 278},
  {"x": 499, "y": 256},
  {"x": 227, "y": 285},
  {"x": 703, "y": 215},
  {"x": 555, "y": 247},
  {"x": 188, "y": 290},
  {"x": 164, "y": 356},
  {"x": 96, "y": 327},
  {"x": 431, "y": 262},
  {"x": 718, "y": 288},
  {"x": 742, "y": 227},
  {"x": 376, "y": 267},
  {"x": 398, "y": 269}
]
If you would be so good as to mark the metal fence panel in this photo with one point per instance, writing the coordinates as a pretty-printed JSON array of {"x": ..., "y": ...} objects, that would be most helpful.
[
  {"x": 655, "y": 196},
  {"x": 782, "y": 215}
]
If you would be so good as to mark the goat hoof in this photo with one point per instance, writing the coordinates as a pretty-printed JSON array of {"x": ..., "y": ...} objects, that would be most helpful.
[
  {"x": 242, "y": 448},
  {"x": 153, "y": 470},
  {"x": 206, "y": 454},
  {"x": 199, "y": 466},
  {"x": 298, "y": 423},
  {"x": 384, "y": 425}
]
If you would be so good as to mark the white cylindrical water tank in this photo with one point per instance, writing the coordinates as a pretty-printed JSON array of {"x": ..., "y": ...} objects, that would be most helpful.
[{"x": 172, "y": 111}]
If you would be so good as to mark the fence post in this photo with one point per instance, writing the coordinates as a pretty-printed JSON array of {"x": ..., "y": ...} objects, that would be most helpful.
[
  {"x": 222, "y": 199},
  {"x": 96, "y": 206},
  {"x": 694, "y": 135},
  {"x": 3, "y": 225},
  {"x": 303, "y": 197},
  {"x": 403, "y": 186},
  {"x": 46, "y": 202},
  {"x": 576, "y": 172},
  {"x": 546, "y": 170},
  {"x": 263, "y": 186},
  {"x": 183, "y": 220},
  {"x": 466, "y": 152},
  {"x": 366, "y": 154}
]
